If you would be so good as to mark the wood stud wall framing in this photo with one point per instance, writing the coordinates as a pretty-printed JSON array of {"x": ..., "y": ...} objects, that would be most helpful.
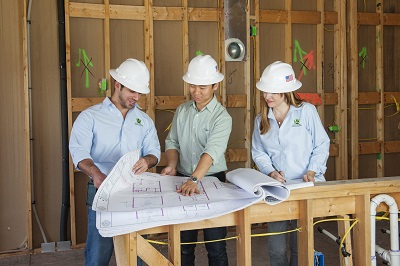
[
  {"x": 320, "y": 17},
  {"x": 378, "y": 94},
  {"x": 344, "y": 100},
  {"x": 151, "y": 103}
]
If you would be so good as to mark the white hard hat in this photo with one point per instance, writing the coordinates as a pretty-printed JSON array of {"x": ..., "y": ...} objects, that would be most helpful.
[
  {"x": 278, "y": 77},
  {"x": 133, "y": 74},
  {"x": 203, "y": 70}
]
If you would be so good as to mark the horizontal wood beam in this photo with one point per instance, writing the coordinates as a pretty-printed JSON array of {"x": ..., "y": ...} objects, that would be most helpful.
[
  {"x": 375, "y": 97},
  {"x": 306, "y": 17},
  {"x": 172, "y": 102},
  {"x": 369, "y": 147},
  {"x": 392, "y": 146},
  {"x": 389, "y": 97},
  {"x": 168, "y": 13},
  {"x": 330, "y": 98},
  {"x": 88, "y": 10},
  {"x": 330, "y": 18},
  {"x": 388, "y": 19},
  {"x": 298, "y": 17},
  {"x": 161, "y": 102},
  {"x": 391, "y": 19},
  {"x": 334, "y": 149},
  {"x": 274, "y": 16},
  {"x": 369, "y": 97},
  {"x": 84, "y": 10},
  {"x": 80, "y": 104},
  {"x": 169, "y": 102},
  {"x": 368, "y": 18},
  {"x": 127, "y": 12},
  {"x": 203, "y": 14}
]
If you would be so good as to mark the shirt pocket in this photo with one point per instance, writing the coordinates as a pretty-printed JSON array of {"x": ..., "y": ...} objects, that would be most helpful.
[{"x": 203, "y": 133}]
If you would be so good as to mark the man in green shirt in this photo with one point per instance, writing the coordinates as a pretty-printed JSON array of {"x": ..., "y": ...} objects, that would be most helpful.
[{"x": 195, "y": 147}]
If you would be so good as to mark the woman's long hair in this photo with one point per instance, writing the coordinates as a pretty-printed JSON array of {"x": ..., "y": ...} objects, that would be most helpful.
[{"x": 291, "y": 98}]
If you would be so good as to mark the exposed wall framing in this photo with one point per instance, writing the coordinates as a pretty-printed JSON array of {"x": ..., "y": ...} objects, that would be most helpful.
[
  {"x": 281, "y": 25},
  {"x": 15, "y": 183},
  {"x": 363, "y": 102},
  {"x": 170, "y": 32},
  {"x": 373, "y": 88}
]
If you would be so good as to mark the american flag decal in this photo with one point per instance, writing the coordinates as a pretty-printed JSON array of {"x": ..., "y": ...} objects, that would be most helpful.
[{"x": 289, "y": 78}]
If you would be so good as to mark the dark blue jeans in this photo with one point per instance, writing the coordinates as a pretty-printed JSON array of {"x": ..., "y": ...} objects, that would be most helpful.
[
  {"x": 98, "y": 250},
  {"x": 217, "y": 255},
  {"x": 277, "y": 243}
]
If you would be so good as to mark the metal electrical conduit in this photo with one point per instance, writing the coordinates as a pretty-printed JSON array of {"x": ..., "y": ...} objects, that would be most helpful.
[
  {"x": 394, "y": 258},
  {"x": 64, "y": 121},
  {"x": 28, "y": 31}
]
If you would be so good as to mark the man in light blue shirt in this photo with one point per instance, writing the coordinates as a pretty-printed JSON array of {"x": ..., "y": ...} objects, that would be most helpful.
[
  {"x": 103, "y": 133},
  {"x": 195, "y": 147}
]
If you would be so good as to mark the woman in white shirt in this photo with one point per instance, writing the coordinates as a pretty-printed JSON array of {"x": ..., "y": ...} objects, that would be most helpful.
[{"x": 289, "y": 143}]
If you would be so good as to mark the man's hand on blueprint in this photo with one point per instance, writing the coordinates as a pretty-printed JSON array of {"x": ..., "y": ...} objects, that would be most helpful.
[
  {"x": 188, "y": 188},
  {"x": 140, "y": 166},
  {"x": 169, "y": 170}
]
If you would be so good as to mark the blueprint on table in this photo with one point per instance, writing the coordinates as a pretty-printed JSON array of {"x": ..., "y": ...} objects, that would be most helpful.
[
  {"x": 124, "y": 191},
  {"x": 126, "y": 202}
]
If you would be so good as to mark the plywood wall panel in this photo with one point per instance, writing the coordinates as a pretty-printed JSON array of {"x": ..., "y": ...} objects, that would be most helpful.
[
  {"x": 391, "y": 35},
  {"x": 391, "y": 6},
  {"x": 46, "y": 120},
  {"x": 14, "y": 140},
  {"x": 203, "y": 36},
  {"x": 330, "y": 173},
  {"x": 366, "y": 62},
  {"x": 272, "y": 44},
  {"x": 168, "y": 69},
  {"x": 126, "y": 41},
  {"x": 273, "y": 4},
  {"x": 329, "y": 59},
  {"x": 127, "y": 2},
  {"x": 80, "y": 206},
  {"x": 392, "y": 125},
  {"x": 367, "y": 122},
  {"x": 302, "y": 5},
  {"x": 237, "y": 139},
  {"x": 367, "y": 167},
  {"x": 234, "y": 79},
  {"x": 392, "y": 165},
  {"x": 304, "y": 55},
  {"x": 87, "y": 37},
  {"x": 203, "y": 3},
  {"x": 163, "y": 121}
]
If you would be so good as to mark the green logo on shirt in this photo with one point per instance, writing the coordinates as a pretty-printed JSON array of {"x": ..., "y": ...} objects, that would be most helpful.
[
  {"x": 296, "y": 123},
  {"x": 138, "y": 122}
]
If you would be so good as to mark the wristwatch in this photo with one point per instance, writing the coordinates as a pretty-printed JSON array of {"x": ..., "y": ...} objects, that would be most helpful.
[{"x": 193, "y": 179}]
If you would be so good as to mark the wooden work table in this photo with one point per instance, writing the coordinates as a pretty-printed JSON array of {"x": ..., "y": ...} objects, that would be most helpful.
[{"x": 333, "y": 198}]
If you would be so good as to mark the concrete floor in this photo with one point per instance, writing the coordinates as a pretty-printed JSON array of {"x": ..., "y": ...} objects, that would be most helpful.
[{"x": 322, "y": 243}]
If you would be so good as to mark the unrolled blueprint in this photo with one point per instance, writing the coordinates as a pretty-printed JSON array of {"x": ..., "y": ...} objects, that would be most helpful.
[{"x": 126, "y": 202}]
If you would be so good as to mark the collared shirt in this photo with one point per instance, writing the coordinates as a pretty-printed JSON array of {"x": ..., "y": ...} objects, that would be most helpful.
[
  {"x": 102, "y": 134},
  {"x": 196, "y": 132},
  {"x": 300, "y": 144}
]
